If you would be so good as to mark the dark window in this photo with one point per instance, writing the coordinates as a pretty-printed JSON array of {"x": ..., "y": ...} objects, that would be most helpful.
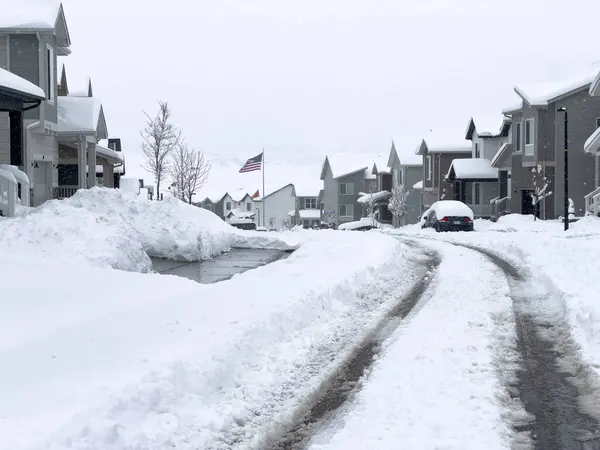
[
  {"x": 68, "y": 175},
  {"x": 477, "y": 194},
  {"x": 528, "y": 132},
  {"x": 518, "y": 136},
  {"x": 228, "y": 206},
  {"x": 310, "y": 203},
  {"x": 346, "y": 188},
  {"x": 598, "y": 123},
  {"x": 248, "y": 206},
  {"x": 477, "y": 153}
]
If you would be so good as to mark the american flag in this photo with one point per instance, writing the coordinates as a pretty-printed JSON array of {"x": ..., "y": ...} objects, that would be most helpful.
[{"x": 252, "y": 164}]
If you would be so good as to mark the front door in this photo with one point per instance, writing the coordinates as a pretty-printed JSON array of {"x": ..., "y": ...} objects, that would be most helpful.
[
  {"x": 527, "y": 206},
  {"x": 41, "y": 185}
]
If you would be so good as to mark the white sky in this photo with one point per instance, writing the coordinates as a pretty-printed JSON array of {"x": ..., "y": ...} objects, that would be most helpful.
[{"x": 314, "y": 76}]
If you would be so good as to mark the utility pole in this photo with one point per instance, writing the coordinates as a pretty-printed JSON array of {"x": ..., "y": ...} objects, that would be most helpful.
[{"x": 566, "y": 167}]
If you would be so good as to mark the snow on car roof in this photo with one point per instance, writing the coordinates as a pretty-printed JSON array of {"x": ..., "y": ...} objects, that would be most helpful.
[{"x": 451, "y": 208}]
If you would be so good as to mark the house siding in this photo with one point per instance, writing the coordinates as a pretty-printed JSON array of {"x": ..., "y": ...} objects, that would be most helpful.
[
  {"x": 520, "y": 179},
  {"x": 330, "y": 196},
  {"x": 528, "y": 112},
  {"x": 358, "y": 179},
  {"x": 583, "y": 111},
  {"x": 4, "y": 121},
  {"x": 278, "y": 205},
  {"x": 412, "y": 175},
  {"x": 25, "y": 62},
  {"x": 300, "y": 204}
]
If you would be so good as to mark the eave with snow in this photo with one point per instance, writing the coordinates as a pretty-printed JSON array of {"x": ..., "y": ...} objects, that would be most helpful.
[
  {"x": 502, "y": 156},
  {"x": 442, "y": 145},
  {"x": 488, "y": 128},
  {"x": 472, "y": 169},
  {"x": 344, "y": 165}
]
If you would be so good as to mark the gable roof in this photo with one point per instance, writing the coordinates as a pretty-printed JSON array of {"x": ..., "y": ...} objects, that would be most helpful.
[
  {"x": 489, "y": 126},
  {"x": 81, "y": 115},
  {"x": 595, "y": 86},
  {"x": 238, "y": 195},
  {"x": 404, "y": 148},
  {"x": 343, "y": 164},
  {"x": 471, "y": 169},
  {"x": 258, "y": 199},
  {"x": 541, "y": 93},
  {"x": 41, "y": 15},
  {"x": 503, "y": 152},
  {"x": 443, "y": 141},
  {"x": 308, "y": 188},
  {"x": 12, "y": 83}
]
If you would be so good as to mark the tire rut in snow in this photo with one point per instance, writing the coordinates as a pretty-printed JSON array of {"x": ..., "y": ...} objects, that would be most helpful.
[
  {"x": 545, "y": 390},
  {"x": 339, "y": 389}
]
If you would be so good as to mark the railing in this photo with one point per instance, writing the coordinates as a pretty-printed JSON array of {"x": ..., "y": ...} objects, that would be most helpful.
[
  {"x": 592, "y": 202},
  {"x": 481, "y": 210},
  {"x": 499, "y": 207},
  {"x": 11, "y": 178},
  {"x": 62, "y": 192}
]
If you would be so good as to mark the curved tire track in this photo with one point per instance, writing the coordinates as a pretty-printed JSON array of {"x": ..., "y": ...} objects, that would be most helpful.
[
  {"x": 339, "y": 388},
  {"x": 547, "y": 392}
]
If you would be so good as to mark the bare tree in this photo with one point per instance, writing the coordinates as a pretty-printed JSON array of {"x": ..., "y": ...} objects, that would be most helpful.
[
  {"x": 159, "y": 138},
  {"x": 541, "y": 187},
  {"x": 189, "y": 171},
  {"x": 398, "y": 201}
]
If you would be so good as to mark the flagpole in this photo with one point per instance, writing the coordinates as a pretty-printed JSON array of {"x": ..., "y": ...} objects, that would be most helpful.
[{"x": 263, "y": 193}]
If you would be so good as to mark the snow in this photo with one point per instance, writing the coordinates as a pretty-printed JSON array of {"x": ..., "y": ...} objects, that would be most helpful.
[
  {"x": 309, "y": 187},
  {"x": 13, "y": 82},
  {"x": 543, "y": 92},
  {"x": 113, "y": 228},
  {"x": 162, "y": 361},
  {"x": 472, "y": 169},
  {"x": 451, "y": 208},
  {"x": 487, "y": 125},
  {"x": 498, "y": 154},
  {"x": 128, "y": 184},
  {"x": 35, "y": 14},
  {"x": 595, "y": 86},
  {"x": 313, "y": 214},
  {"x": 436, "y": 384},
  {"x": 78, "y": 114},
  {"x": 117, "y": 169},
  {"x": 363, "y": 222},
  {"x": 375, "y": 196},
  {"x": 592, "y": 144},
  {"x": 381, "y": 165},
  {"x": 447, "y": 141},
  {"x": 109, "y": 153},
  {"x": 405, "y": 150},
  {"x": 343, "y": 164}
]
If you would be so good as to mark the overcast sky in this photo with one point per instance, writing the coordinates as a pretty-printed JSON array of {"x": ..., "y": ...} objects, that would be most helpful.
[{"x": 317, "y": 76}]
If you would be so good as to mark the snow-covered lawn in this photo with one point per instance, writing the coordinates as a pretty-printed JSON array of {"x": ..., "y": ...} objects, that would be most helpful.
[{"x": 435, "y": 384}]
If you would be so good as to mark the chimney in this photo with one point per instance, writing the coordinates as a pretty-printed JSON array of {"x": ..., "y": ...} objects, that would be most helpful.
[{"x": 114, "y": 144}]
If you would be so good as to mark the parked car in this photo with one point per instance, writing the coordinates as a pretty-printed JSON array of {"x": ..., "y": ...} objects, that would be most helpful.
[
  {"x": 449, "y": 215},
  {"x": 424, "y": 217}
]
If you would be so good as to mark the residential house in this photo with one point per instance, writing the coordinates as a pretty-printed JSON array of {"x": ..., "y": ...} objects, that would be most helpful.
[
  {"x": 592, "y": 147},
  {"x": 307, "y": 211},
  {"x": 476, "y": 175},
  {"x": 32, "y": 37},
  {"x": 242, "y": 208},
  {"x": 17, "y": 96},
  {"x": 538, "y": 141},
  {"x": 213, "y": 203},
  {"x": 406, "y": 170},
  {"x": 344, "y": 177},
  {"x": 438, "y": 151},
  {"x": 236, "y": 203},
  {"x": 272, "y": 210}
]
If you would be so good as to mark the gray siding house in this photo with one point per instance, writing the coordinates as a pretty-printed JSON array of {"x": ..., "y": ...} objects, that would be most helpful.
[
  {"x": 307, "y": 213},
  {"x": 592, "y": 147},
  {"x": 438, "y": 152},
  {"x": 407, "y": 170},
  {"x": 538, "y": 140}
]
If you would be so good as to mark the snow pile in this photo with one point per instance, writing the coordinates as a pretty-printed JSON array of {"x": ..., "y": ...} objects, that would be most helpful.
[
  {"x": 152, "y": 361},
  {"x": 109, "y": 227},
  {"x": 436, "y": 385},
  {"x": 13, "y": 82}
]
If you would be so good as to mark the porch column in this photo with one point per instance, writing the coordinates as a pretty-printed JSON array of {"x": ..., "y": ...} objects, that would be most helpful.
[
  {"x": 91, "y": 163},
  {"x": 108, "y": 174},
  {"x": 81, "y": 163},
  {"x": 17, "y": 143}
]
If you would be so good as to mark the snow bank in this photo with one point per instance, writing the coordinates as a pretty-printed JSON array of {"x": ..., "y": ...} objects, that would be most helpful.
[
  {"x": 435, "y": 385},
  {"x": 152, "y": 361},
  {"x": 109, "y": 227}
]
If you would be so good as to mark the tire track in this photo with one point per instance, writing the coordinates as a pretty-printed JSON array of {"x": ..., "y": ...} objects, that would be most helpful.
[
  {"x": 548, "y": 392},
  {"x": 338, "y": 389}
]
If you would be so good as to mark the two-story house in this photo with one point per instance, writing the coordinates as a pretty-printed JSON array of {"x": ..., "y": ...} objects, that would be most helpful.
[
  {"x": 344, "y": 177},
  {"x": 592, "y": 147},
  {"x": 272, "y": 210},
  {"x": 438, "y": 151},
  {"x": 538, "y": 142},
  {"x": 32, "y": 37},
  {"x": 407, "y": 170},
  {"x": 307, "y": 212},
  {"x": 476, "y": 175}
]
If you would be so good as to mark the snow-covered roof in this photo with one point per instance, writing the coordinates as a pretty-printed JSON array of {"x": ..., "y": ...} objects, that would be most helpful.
[
  {"x": 490, "y": 125},
  {"x": 238, "y": 195},
  {"x": 78, "y": 114},
  {"x": 34, "y": 14},
  {"x": 595, "y": 86},
  {"x": 506, "y": 147},
  {"x": 20, "y": 85},
  {"x": 472, "y": 169},
  {"x": 259, "y": 199},
  {"x": 308, "y": 188},
  {"x": 592, "y": 144},
  {"x": 381, "y": 165},
  {"x": 543, "y": 92},
  {"x": 405, "y": 147},
  {"x": 343, "y": 164},
  {"x": 100, "y": 169},
  {"x": 109, "y": 153},
  {"x": 451, "y": 208},
  {"x": 375, "y": 196},
  {"x": 445, "y": 141},
  {"x": 313, "y": 214},
  {"x": 240, "y": 214},
  {"x": 418, "y": 185}
]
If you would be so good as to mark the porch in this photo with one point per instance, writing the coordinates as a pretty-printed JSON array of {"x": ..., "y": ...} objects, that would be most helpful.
[
  {"x": 476, "y": 184},
  {"x": 592, "y": 203}
]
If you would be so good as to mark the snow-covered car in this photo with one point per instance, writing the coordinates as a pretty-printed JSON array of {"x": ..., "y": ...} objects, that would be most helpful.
[
  {"x": 423, "y": 218},
  {"x": 449, "y": 215}
]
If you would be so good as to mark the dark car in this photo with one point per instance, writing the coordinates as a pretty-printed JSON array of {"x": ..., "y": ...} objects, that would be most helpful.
[
  {"x": 449, "y": 215},
  {"x": 365, "y": 228}
]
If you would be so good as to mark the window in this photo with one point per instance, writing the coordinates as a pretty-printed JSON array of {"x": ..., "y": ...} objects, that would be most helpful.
[
  {"x": 598, "y": 123},
  {"x": 477, "y": 153},
  {"x": 400, "y": 178},
  {"x": 518, "y": 136},
  {"x": 50, "y": 81},
  {"x": 310, "y": 203},
  {"x": 529, "y": 137},
  {"x": 346, "y": 210},
  {"x": 477, "y": 193},
  {"x": 429, "y": 167},
  {"x": 228, "y": 206},
  {"x": 396, "y": 177},
  {"x": 248, "y": 206},
  {"x": 346, "y": 188}
]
